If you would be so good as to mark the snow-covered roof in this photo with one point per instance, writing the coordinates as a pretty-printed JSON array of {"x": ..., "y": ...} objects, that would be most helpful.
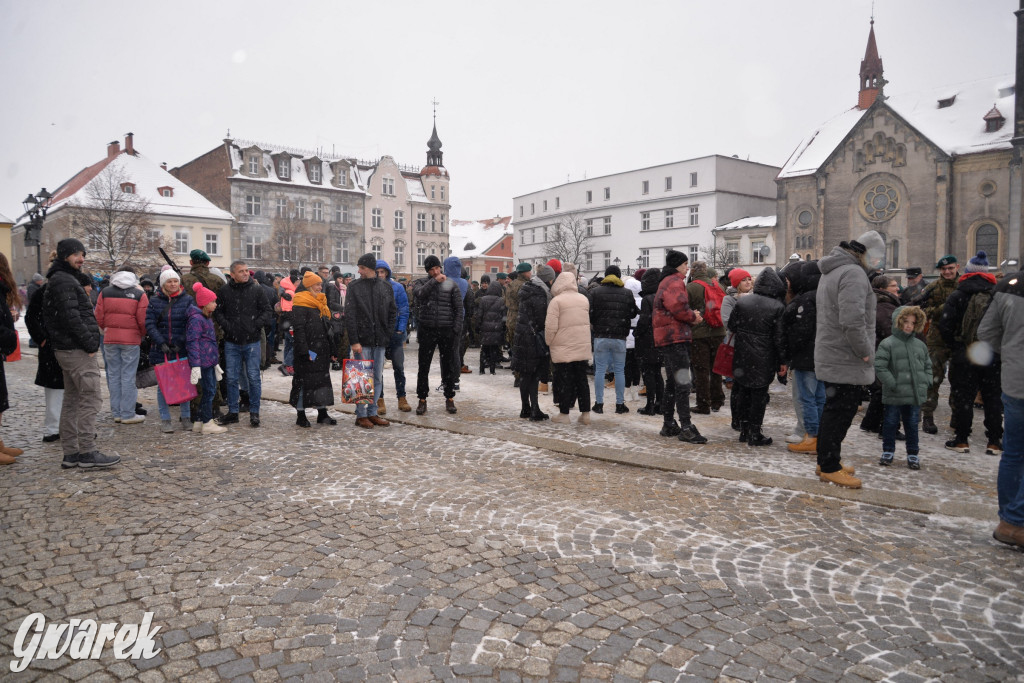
[
  {"x": 149, "y": 178},
  {"x": 472, "y": 238},
  {"x": 415, "y": 189},
  {"x": 748, "y": 222},
  {"x": 956, "y": 129},
  {"x": 298, "y": 176},
  {"x": 5, "y": 219}
]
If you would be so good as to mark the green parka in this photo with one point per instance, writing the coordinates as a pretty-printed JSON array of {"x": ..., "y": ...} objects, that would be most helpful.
[{"x": 902, "y": 363}]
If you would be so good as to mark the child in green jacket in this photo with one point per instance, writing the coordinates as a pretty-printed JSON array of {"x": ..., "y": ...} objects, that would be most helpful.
[{"x": 904, "y": 368}]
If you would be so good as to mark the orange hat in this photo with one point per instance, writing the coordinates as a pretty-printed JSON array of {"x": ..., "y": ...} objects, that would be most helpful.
[{"x": 310, "y": 279}]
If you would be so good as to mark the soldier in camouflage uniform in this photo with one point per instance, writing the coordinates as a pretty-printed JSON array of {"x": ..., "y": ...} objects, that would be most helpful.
[
  {"x": 933, "y": 301},
  {"x": 199, "y": 271}
]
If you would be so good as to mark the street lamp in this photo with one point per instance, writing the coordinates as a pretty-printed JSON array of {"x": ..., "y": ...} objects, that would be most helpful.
[
  {"x": 639, "y": 261},
  {"x": 36, "y": 208}
]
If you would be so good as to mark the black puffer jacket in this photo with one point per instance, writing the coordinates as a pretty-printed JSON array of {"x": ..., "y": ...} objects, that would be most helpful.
[
  {"x": 885, "y": 304},
  {"x": 490, "y": 316},
  {"x": 243, "y": 310},
  {"x": 529, "y": 352},
  {"x": 646, "y": 352},
  {"x": 67, "y": 311},
  {"x": 800, "y": 319},
  {"x": 612, "y": 309},
  {"x": 312, "y": 379},
  {"x": 956, "y": 306},
  {"x": 371, "y": 312},
  {"x": 438, "y": 304},
  {"x": 757, "y": 323},
  {"x": 48, "y": 372}
]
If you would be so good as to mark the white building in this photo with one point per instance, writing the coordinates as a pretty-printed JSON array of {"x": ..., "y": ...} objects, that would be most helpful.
[
  {"x": 747, "y": 243},
  {"x": 636, "y": 216}
]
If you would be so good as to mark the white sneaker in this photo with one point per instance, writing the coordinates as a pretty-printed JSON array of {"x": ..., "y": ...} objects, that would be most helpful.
[
  {"x": 794, "y": 438},
  {"x": 138, "y": 419},
  {"x": 387, "y": 365},
  {"x": 197, "y": 427},
  {"x": 212, "y": 427},
  {"x": 584, "y": 418},
  {"x": 561, "y": 418}
]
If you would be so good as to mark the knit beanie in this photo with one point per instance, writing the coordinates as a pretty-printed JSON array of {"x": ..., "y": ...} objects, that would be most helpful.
[
  {"x": 68, "y": 246},
  {"x": 639, "y": 274},
  {"x": 311, "y": 279},
  {"x": 613, "y": 270},
  {"x": 546, "y": 273},
  {"x": 168, "y": 273},
  {"x": 556, "y": 266},
  {"x": 978, "y": 264},
  {"x": 431, "y": 262},
  {"x": 737, "y": 275},
  {"x": 674, "y": 259},
  {"x": 367, "y": 260},
  {"x": 203, "y": 295}
]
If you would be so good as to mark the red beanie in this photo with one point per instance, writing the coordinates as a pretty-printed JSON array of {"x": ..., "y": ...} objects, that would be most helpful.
[
  {"x": 556, "y": 266},
  {"x": 737, "y": 274}
]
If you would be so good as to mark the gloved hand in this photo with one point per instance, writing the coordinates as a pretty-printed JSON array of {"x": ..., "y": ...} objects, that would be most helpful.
[
  {"x": 218, "y": 373},
  {"x": 197, "y": 374},
  {"x": 168, "y": 349},
  {"x": 287, "y": 296}
]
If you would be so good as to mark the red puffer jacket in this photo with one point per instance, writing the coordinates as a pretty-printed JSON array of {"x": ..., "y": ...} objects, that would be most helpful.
[
  {"x": 672, "y": 313},
  {"x": 121, "y": 310}
]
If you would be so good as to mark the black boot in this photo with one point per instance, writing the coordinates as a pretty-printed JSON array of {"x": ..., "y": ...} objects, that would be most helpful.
[
  {"x": 736, "y": 423},
  {"x": 928, "y": 425},
  {"x": 322, "y": 418},
  {"x": 243, "y": 401},
  {"x": 301, "y": 420},
  {"x": 757, "y": 438},
  {"x": 744, "y": 431},
  {"x": 670, "y": 428},
  {"x": 524, "y": 412},
  {"x": 648, "y": 409}
]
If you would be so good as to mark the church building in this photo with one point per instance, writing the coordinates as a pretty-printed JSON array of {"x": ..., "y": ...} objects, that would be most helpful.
[{"x": 929, "y": 171}]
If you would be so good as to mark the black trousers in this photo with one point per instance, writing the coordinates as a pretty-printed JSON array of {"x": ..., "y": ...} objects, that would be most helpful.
[
  {"x": 490, "y": 356},
  {"x": 631, "y": 369},
  {"x": 841, "y": 401},
  {"x": 443, "y": 339},
  {"x": 965, "y": 381},
  {"x": 654, "y": 381},
  {"x": 572, "y": 386},
  {"x": 677, "y": 387},
  {"x": 707, "y": 384},
  {"x": 751, "y": 403}
]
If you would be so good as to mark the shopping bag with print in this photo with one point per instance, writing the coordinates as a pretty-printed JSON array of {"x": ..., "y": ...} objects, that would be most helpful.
[{"x": 357, "y": 381}]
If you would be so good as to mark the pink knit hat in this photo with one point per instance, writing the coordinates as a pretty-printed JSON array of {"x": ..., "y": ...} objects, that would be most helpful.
[{"x": 203, "y": 295}]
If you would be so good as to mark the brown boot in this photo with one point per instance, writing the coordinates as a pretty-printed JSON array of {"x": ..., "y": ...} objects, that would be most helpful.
[
  {"x": 542, "y": 388},
  {"x": 379, "y": 421},
  {"x": 449, "y": 405},
  {"x": 7, "y": 459},
  {"x": 809, "y": 445},
  {"x": 849, "y": 469},
  {"x": 381, "y": 408},
  {"x": 1009, "y": 534},
  {"x": 403, "y": 405},
  {"x": 422, "y": 407},
  {"x": 364, "y": 422},
  {"x": 7, "y": 450},
  {"x": 465, "y": 370},
  {"x": 841, "y": 478}
]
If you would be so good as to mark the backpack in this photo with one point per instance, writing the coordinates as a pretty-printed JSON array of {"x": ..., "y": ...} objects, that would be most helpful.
[
  {"x": 713, "y": 297},
  {"x": 975, "y": 311}
]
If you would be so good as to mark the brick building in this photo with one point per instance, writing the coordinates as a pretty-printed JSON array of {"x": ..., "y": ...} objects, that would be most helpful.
[{"x": 483, "y": 246}]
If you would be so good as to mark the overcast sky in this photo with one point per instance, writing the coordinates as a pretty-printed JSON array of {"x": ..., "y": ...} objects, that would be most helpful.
[{"x": 532, "y": 94}]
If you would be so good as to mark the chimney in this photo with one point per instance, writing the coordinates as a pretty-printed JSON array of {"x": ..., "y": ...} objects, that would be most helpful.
[
  {"x": 129, "y": 146},
  {"x": 163, "y": 165},
  {"x": 113, "y": 149}
]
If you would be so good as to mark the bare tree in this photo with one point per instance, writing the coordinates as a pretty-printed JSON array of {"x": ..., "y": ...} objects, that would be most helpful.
[
  {"x": 717, "y": 256},
  {"x": 570, "y": 241},
  {"x": 289, "y": 233},
  {"x": 114, "y": 224}
]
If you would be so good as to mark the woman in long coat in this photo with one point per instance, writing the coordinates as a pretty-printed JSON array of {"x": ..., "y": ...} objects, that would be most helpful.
[
  {"x": 530, "y": 356},
  {"x": 312, "y": 346},
  {"x": 9, "y": 299},
  {"x": 167, "y": 327},
  {"x": 490, "y": 323},
  {"x": 567, "y": 333},
  {"x": 49, "y": 375},
  {"x": 756, "y": 321}
]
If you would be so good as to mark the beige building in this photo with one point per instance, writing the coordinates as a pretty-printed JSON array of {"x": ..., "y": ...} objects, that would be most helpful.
[
  {"x": 5, "y": 236},
  {"x": 930, "y": 171},
  {"x": 124, "y": 208}
]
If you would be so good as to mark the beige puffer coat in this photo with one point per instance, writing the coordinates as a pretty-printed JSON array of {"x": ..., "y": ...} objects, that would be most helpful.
[{"x": 567, "y": 327}]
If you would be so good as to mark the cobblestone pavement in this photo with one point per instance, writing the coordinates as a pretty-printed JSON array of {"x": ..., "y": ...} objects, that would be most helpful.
[{"x": 417, "y": 554}]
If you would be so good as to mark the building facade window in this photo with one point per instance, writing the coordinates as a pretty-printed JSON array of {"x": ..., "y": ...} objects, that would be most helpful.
[
  {"x": 378, "y": 251},
  {"x": 693, "y": 253},
  {"x": 668, "y": 183},
  {"x": 607, "y": 193},
  {"x": 590, "y": 196},
  {"x": 252, "y": 204},
  {"x": 287, "y": 249},
  {"x": 388, "y": 186},
  {"x": 755, "y": 251},
  {"x": 732, "y": 252},
  {"x": 421, "y": 254},
  {"x": 444, "y": 221},
  {"x": 314, "y": 172},
  {"x": 343, "y": 177},
  {"x": 558, "y": 202},
  {"x": 399, "y": 220},
  {"x": 532, "y": 211},
  {"x": 694, "y": 216},
  {"x": 167, "y": 192},
  {"x": 399, "y": 254},
  {"x": 212, "y": 244},
  {"x": 520, "y": 210},
  {"x": 670, "y": 218},
  {"x": 433, "y": 223},
  {"x": 281, "y": 205},
  {"x": 693, "y": 179},
  {"x": 607, "y": 225},
  {"x": 300, "y": 209},
  {"x": 181, "y": 242},
  {"x": 590, "y": 227},
  {"x": 318, "y": 212},
  {"x": 252, "y": 247},
  {"x": 442, "y": 193},
  {"x": 645, "y": 220},
  {"x": 421, "y": 222},
  {"x": 254, "y": 164},
  {"x": 128, "y": 188},
  {"x": 545, "y": 205},
  {"x": 376, "y": 218},
  {"x": 341, "y": 251},
  {"x": 645, "y": 258},
  {"x": 341, "y": 214},
  {"x": 987, "y": 238},
  {"x": 645, "y": 187},
  {"x": 284, "y": 168},
  {"x": 315, "y": 248}
]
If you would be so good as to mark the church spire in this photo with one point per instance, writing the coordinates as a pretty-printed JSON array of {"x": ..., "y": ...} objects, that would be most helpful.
[
  {"x": 434, "y": 153},
  {"x": 871, "y": 81}
]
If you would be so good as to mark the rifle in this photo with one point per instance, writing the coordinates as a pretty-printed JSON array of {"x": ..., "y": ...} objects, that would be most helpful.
[{"x": 171, "y": 262}]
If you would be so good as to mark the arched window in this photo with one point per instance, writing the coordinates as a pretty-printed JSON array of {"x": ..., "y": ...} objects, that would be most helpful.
[
  {"x": 894, "y": 255},
  {"x": 987, "y": 238}
]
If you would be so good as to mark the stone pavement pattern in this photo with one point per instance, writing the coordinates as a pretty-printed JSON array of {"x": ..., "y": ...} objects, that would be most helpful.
[{"x": 423, "y": 554}]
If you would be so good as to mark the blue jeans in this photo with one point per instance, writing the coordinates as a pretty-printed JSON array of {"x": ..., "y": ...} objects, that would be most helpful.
[
  {"x": 122, "y": 361},
  {"x": 811, "y": 399},
  {"x": 376, "y": 354},
  {"x": 165, "y": 410},
  {"x": 208, "y": 382},
  {"x": 234, "y": 356},
  {"x": 911, "y": 416},
  {"x": 609, "y": 352},
  {"x": 1010, "y": 484}
]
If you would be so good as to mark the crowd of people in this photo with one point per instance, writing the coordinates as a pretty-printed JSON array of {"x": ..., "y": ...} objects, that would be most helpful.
[{"x": 839, "y": 330}]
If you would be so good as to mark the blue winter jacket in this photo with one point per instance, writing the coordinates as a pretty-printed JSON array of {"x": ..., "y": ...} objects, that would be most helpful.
[
  {"x": 453, "y": 271},
  {"x": 401, "y": 298},
  {"x": 167, "y": 323}
]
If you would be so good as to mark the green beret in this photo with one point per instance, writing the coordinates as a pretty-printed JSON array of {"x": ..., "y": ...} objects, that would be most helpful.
[
  {"x": 199, "y": 255},
  {"x": 501, "y": 276},
  {"x": 524, "y": 267},
  {"x": 946, "y": 260}
]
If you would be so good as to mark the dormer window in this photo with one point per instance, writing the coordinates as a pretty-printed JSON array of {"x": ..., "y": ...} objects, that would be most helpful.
[
  {"x": 314, "y": 172},
  {"x": 254, "y": 164},
  {"x": 994, "y": 120},
  {"x": 388, "y": 185},
  {"x": 947, "y": 102},
  {"x": 284, "y": 169},
  {"x": 128, "y": 188},
  {"x": 166, "y": 191}
]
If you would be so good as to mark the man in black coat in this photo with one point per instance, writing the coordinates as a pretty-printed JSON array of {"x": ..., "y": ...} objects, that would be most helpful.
[
  {"x": 243, "y": 310},
  {"x": 370, "y": 317},
  {"x": 440, "y": 312},
  {"x": 612, "y": 309},
  {"x": 75, "y": 336}
]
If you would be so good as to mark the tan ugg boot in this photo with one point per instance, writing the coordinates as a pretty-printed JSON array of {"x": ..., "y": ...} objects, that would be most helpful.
[
  {"x": 7, "y": 450},
  {"x": 7, "y": 459}
]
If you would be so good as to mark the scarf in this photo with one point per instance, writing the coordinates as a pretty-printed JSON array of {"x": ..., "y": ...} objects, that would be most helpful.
[{"x": 310, "y": 300}]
